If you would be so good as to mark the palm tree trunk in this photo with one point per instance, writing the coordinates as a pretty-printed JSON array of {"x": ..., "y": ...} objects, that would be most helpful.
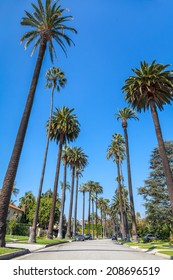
[
  {"x": 54, "y": 196},
  {"x": 165, "y": 162},
  {"x": 89, "y": 211},
  {"x": 32, "y": 237},
  {"x": 121, "y": 202},
  {"x": 75, "y": 208},
  {"x": 92, "y": 218},
  {"x": 83, "y": 214},
  {"x": 96, "y": 219},
  {"x": 15, "y": 157},
  {"x": 101, "y": 221},
  {"x": 60, "y": 235},
  {"x": 68, "y": 234},
  {"x": 132, "y": 208}
]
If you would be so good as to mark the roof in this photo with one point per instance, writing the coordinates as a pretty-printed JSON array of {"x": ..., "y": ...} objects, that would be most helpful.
[{"x": 15, "y": 207}]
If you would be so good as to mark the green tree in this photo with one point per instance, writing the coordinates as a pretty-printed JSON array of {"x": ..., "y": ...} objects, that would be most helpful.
[
  {"x": 128, "y": 114},
  {"x": 155, "y": 193},
  {"x": 48, "y": 24},
  {"x": 64, "y": 128},
  {"x": 44, "y": 210},
  {"x": 27, "y": 204},
  {"x": 55, "y": 80},
  {"x": 151, "y": 87}
]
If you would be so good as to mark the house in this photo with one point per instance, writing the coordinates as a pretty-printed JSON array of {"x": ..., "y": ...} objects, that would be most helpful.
[{"x": 14, "y": 211}]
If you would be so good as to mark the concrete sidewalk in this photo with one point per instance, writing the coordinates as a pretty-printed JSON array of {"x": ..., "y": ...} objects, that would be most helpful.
[{"x": 26, "y": 248}]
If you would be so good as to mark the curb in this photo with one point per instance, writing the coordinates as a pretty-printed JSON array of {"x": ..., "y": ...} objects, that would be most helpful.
[
  {"x": 14, "y": 254},
  {"x": 9, "y": 256},
  {"x": 152, "y": 253}
]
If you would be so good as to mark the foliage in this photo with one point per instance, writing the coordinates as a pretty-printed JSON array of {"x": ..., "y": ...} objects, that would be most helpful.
[
  {"x": 155, "y": 194},
  {"x": 20, "y": 229}
]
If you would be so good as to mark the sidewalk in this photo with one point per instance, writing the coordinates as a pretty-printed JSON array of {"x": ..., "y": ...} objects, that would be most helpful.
[{"x": 26, "y": 248}]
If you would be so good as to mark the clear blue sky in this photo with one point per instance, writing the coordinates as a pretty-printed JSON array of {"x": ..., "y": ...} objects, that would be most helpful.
[{"x": 113, "y": 37}]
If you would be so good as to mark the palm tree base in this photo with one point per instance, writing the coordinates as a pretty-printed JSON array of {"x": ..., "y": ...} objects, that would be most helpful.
[
  {"x": 32, "y": 236},
  {"x": 134, "y": 237}
]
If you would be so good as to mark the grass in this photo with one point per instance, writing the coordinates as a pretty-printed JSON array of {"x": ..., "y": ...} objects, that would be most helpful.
[
  {"x": 169, "y": 253},
  {"x": 39, "y": 240},
  {"x": 7, "y": 250},
  {"x": 159, "y": 246}
]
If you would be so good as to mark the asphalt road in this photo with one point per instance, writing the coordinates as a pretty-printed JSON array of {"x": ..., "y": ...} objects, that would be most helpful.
[{"x": 90, "y": 250}]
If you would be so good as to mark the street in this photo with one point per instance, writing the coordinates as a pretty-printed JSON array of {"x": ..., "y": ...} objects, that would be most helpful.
[{"x": 89, "y": 250}]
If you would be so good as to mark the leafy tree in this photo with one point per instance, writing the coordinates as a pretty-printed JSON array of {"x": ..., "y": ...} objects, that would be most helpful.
[
  {"x": 44, "y": 211},
  {"x": 155, "y": 192},
  {"x": 127, "y": 114},
  {"x": 27, "y": 204},
  {"x": 64, "y": 128},
  {"x": 151, "y": 87},
  {"x": 48, "y": 24},
  {"x": 55, "y": 80}
]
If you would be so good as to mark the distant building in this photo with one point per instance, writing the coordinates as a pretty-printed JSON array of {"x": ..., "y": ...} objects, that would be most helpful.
[{"x": 14, "y": 211}]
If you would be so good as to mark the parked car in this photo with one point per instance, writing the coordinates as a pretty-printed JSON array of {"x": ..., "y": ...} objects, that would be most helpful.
[
  {"x": 79, "y": 237},
  {"x": 114, "y": 237},
  {"x": 149, "y": 237},
  {"x": 87, "y": 236}
]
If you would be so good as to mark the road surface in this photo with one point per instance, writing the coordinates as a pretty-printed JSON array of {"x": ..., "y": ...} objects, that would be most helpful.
[{"x": 90, "y": 250}]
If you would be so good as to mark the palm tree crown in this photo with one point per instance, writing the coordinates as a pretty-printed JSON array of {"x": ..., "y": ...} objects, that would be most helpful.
[
  {"x": 47, "y": 23},
  {"x": 126, "y": 114},
  {"x": 64, "y": 123},
  {"x": 55, "y": 78},
  {"x": 151, "y": 83}
]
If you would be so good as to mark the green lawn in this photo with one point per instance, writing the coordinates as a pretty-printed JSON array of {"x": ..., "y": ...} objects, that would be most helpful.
[
  {"x": 161, "y": 246},
  {"x": 169, "y": 253},
  {"x": 39, "y": 240},
  {"x": 7, "y": 250}
]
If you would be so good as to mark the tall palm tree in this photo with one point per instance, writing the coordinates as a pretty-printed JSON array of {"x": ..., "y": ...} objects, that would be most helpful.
[
  {"x": 151, "y": 87},
  {"x": 64, "y": 158},
  {"x": 48, "y": 24},
  {"x": 127, "y": 114},
  {"x": 100, "y": 204},
  {"x": 64, "y": 128},
  {"x": 77, "y": 159},
  {"x": 90, "y": 187},
  {"x": 98, "y": 189},
  {"x": 55, "y": 80},
  {"x": 116, "y": 151},
  {"x": 83, "y": 188}
]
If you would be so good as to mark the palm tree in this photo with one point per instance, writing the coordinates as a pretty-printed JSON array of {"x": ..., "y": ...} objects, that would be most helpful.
[
  {"x": 100, "y": 204},
  {"x": 48, "y": 24},
  {"x": 64, "y": 128},
  {"x": 90, "y": 187},
  {"x": 64, "y": 158},
  {"x": 55, "y": 80},
  {"x": 127, "y": 114},
  {"x": 116, "y": 151},
  {"x": 152, "y": 87},
  {"x": 98, "y": 190},
  {"x": 83, "y": 188},
  {"x": 76, "y": 159}
]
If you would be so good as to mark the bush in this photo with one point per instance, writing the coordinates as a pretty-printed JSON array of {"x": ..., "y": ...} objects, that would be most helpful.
[{"x": 20, "y": 229}]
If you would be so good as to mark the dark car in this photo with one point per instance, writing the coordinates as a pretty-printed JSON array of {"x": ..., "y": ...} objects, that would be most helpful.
[
  {"x": 79, "y": 237},
  {"x": 149, "y": 237},
  {"x": 114, "y": 237},
  {"x": 87, "y": 236}
]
